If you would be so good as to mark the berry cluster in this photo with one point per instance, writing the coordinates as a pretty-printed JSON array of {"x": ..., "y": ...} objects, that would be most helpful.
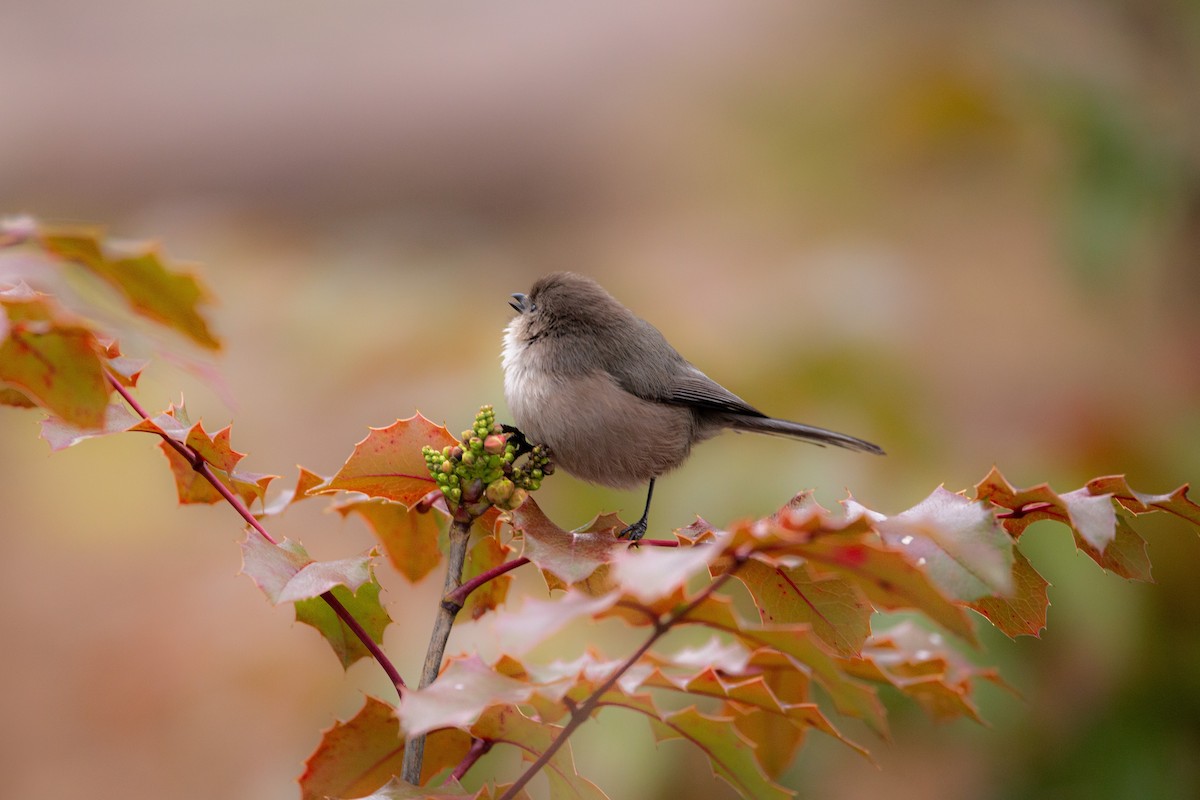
[{"x": 482, "y": 468}]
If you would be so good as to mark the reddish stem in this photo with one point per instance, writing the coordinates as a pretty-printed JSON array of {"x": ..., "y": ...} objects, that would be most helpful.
[
  {"x": 204, "y": 470},
  {"x": 581, "y": 713},
  {"x": 479, "y": 748}
]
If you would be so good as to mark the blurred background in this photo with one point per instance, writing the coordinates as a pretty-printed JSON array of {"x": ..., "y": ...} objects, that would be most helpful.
[{"x": 969, "y": 232}]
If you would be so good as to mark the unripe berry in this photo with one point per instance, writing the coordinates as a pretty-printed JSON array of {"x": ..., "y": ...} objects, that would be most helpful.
[
  {"x": 498, "y": 492},
  {"x": 494, "y": 444}
]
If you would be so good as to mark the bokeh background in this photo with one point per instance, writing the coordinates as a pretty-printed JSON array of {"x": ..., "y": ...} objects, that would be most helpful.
[{"x": 970, "y": 232}]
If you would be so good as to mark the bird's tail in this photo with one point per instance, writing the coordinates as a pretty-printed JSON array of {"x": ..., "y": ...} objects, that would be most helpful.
[{"x": 795, "y": 430}]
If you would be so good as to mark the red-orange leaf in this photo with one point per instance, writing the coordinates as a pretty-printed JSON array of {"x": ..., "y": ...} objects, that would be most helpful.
[
  {"x": 835, "y": 608},
  {"x": 570, "y": 556},
  {"x": 409, "y": 538},
  {"x": 388, "y": 463},
  {"x": 154, "y": 290},
  {"x": 1023, "y": 613},
  {"x": 362, "y": 754}
]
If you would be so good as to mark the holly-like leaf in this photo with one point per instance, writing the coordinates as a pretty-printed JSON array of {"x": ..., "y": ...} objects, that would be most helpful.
[
  {"x": 958, "y": 543},
  {"x": 917, "y": 662},
  {"x": 1023, "y": 613},
  {"x": 158, "y": 292},
  {"x": 729, "y": 753},
  {"x": 459, "y": 696},
  {"x": 517, "y": 631},
  {"x": 652, "y": 573},
  {"x": 388, "y": 463},
  {"x": 60, "y": 434},
  {"x": 306, "y": 481},
  {"x": 1098, "y": 531},
  {"x": 362, "y": 754},
  {"x": 286, "y": 573},
  {"x": 1175, "y": 502},
  {"x": 800, "y": 644},
  {"x": 409, "y": 538},
  {"x": 487, "y": 553},
  {"x": 570, "y": 556},
  {"x": 835, "y": 608},
  {"x": 506, "y": 723},
  {"x": 51, "y": 359},
  {"x": 363, "y": 605},
  {"x": 396, "y": 789},
  {"x": 889, "y": 580}
]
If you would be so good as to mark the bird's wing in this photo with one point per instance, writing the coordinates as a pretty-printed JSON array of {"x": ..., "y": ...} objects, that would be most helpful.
[{"x": 694, "y": 388}]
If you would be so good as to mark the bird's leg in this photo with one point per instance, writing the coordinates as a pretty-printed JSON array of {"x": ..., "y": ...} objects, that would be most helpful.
[
  {"x": 638, "y": 529},
  {"x": 517, "y": 438}
]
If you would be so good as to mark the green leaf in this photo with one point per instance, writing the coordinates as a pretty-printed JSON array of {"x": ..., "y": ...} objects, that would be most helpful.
[
  {"x": 388, "y": 463},
  {"x": 362, "y": 754},
  {"x": 362, "y": 604}
]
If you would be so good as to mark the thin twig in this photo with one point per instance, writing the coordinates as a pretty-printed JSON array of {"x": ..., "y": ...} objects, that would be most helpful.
[
  {"x": 202, "y": 467},
  {"x": 581, "y": 713},
  {"x": 460, "y": 534},
  {"x": 479, "y": 748}
]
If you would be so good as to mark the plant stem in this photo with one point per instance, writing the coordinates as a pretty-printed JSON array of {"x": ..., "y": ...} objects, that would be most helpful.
[
  {"x": 584, "y": 710},
  {"x": 460, "y": 534},
  {"x": 203, "y": 468}
]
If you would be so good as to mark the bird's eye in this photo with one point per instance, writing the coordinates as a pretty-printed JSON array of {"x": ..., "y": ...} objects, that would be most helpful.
[{"x": 533, "y": 306}]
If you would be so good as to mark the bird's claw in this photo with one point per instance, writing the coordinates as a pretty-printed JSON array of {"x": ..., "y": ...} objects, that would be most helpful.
[{"x": 634, "y": 532}]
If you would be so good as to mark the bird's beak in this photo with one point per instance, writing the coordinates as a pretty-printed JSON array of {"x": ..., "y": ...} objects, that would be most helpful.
[{"x": 520, "y": 303}]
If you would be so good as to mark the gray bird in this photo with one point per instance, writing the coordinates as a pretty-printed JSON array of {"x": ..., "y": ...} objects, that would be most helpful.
[{"x": 614, "y": 402}]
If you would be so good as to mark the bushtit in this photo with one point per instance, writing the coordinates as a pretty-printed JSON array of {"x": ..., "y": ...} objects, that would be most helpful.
[{"x": 614, "y": 402}]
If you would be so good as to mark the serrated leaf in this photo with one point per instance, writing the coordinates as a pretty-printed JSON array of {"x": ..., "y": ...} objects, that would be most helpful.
[
  {"x": 1095, "y": 525},
  {"x": 60, "y": 434},
  {"x": 286, "y": 573},
  {"x": 504, "y": 723},
  {"x": 362, "y": 754},
  {"x": 409, "y": 538},
  {"x": 889, "y": 580},
  {"x": 835, "y": 608},
  {"x": 570, "y": 556},
  {"x": 396, "y": 789},
  {"x": 459, "y": 696},
  {"x": 517, "y": 631},
  {"x": 388, "y": 462},
  {"x": 917, "y": 662},
  {"x": 1023, "y": 613},
  {"x": 58, "y": 366},
  {"x": 363, "y": 605},
  {"x": 304, "y": 482},
  {"x": 960, "y": 544},
  {"x": 1175, "y": 502},
  {"x": 487, "y": 553},
  {"x": 800, "y": 644},
  {"x": 167, "y": 296},
  {"x": 652, "y": 573},
  {"x": 729, "y": 753}
]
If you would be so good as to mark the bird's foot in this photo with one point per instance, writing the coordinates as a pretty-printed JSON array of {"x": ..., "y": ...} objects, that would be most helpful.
[
  {"x": 518, "y": 439},
  {"x": 634, "y": 532}
]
